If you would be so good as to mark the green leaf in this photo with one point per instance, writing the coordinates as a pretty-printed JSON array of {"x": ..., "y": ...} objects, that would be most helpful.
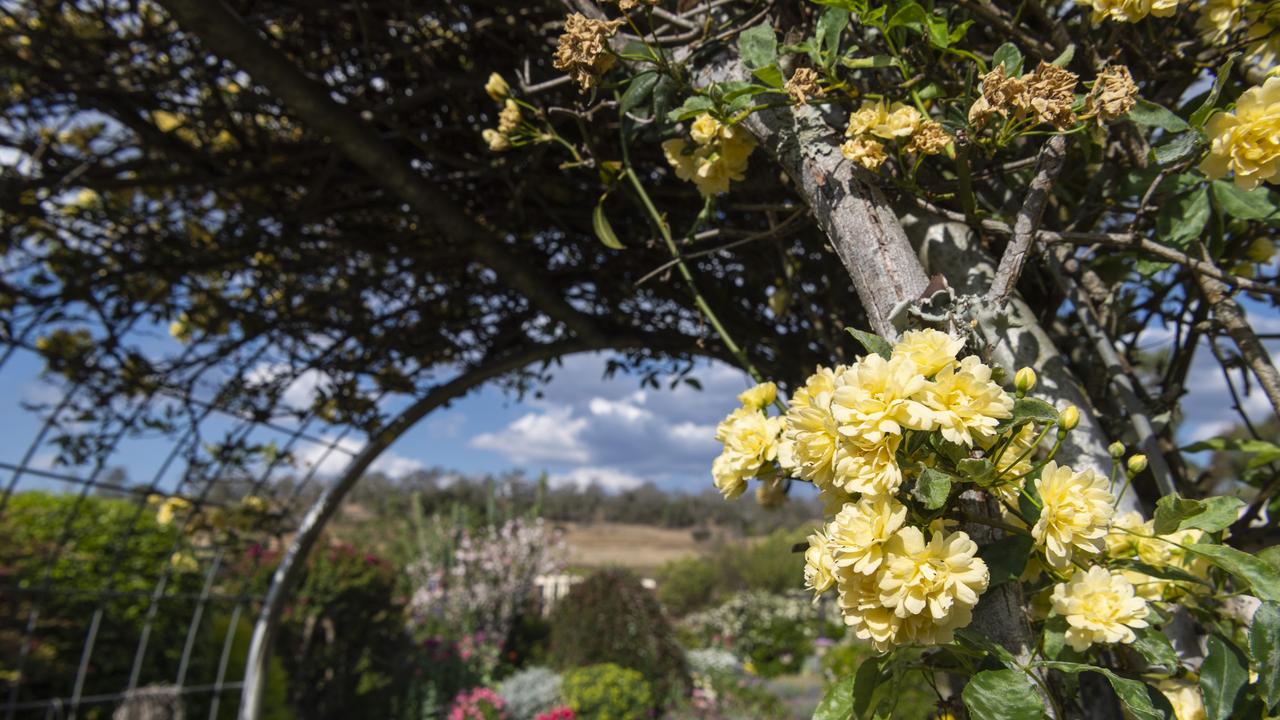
[
  {"x": 1010, "y": 57},
  {"x": 1202, "y": 113},
  {"x": 875, "y": 61},
  {"x": 1222, "y": 675},
  {"x": 1261, "y": 576},
  {"x": 1255, "y": 204},
  {"x": 1175, "y": 513},
  {"x": 663, "y": 93},
  {"x": 1132, "y": 693},
  {"x": 1184, "y": 219},
  {"x": 1006, "y": 558},
  {"x": 758, "y": 46},
  {"x": 837, "y": 704},
  {"x": 932, "y": 488},
  {"x": 1064, "y": 58},
  {"x": 1163, "y": 572},
  {"x": 865, "y": 682},
  {"x": 1264, "y": 645},
  {"x": 977, "y": 641},
  {"x": 769, "y": 75},
  {"x": 976, "y": 470},
  {"x": 872, "y": 342},
  {"x": 692, "y": 107},
  {"x": 1029, "y": 409},
  {"x": 1055, "y": 635},
  {"x": 1156, "y": 648},
  {"x": 639, "y": 89},
  {"x": 604, "y": 231},
  {"x": 1145, "y": 112},
  {"x": 939, "y": 33},
  {"x": 910, "y": 16},
  {"x": 1002, "y": 695},
  {"x": 1231, "y": 445},
  {"x": 827, "y": 34},
  {"x": 1178, "y": 149}
]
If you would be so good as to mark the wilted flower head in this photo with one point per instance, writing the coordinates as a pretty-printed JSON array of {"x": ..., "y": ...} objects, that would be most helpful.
[
  {"x": 1046, "y": 94},
  {"x": 804, "y": 82},
  {"x": 759, "y": 396},
  {"x": 928, "y": 139},
  {"x": 867, "y": 153},
  {"x": 583, "y": 50},
  {"x": 1114, "y": 93}
]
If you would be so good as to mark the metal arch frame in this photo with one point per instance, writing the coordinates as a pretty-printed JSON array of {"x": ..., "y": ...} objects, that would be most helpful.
[{"x": 246, "y": 425}]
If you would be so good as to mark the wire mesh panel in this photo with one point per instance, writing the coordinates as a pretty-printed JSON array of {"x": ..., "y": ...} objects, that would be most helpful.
[{"x": 138, "y": 535}]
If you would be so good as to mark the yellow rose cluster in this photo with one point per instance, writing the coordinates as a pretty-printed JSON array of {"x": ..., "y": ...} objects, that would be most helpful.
[
  {"x": 1246, "y": 141},
  {"x": 751, "y": 441},
  {"x": 876, "y": 122},
  {"x": 717, "y": 155},
  {"x": 1128, "y": 10}
]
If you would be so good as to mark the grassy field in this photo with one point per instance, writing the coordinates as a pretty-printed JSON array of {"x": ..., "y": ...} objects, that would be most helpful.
[{"x": 643, "y": 548}]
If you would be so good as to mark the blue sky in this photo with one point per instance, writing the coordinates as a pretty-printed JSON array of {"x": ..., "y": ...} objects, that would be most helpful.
[{"x": 583, "y": 429}]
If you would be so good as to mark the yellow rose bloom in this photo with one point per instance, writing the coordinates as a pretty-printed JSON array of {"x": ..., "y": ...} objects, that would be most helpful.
[
  {"x": 170, "y": 508},
  {"x": 183, "y": 562},
  {"x": 496, "y": 141},
  {"x": 966, "y": 404},
  {"x": 1185, "y": 697},
  {"x": 1246, "y": 141},
  {"x": 870, "y": 468},
  {"x": 1218, "y": 18},
  {"x": 873, "y": 113},
  {"x": 759, "y": 396},
  {"x": 683, "y": 162},
  {"x": 705, "y": 129},
  {"x": 901, "y": 122},
  {"x": 855, "y": 535},
  {"x": 1075, "y": 515},
  {"x": 750, "y": 448},
  {"x": 819, "y": 565},
  {"x": 930, "y": 350},
  {"x": 1128, "y": 10},
  {"x": 1122, "y": 544},
  {"x": 933, "y": 576},
  {"x": 867, "y": 153},
  {"x": 877, "y": 397},
  {"x": 863, "y": 612},
  {"x": 728, "y": 476},
  {"x": 1100, "y": 607},
  {"x": 814, "y": 436},
  {"x": 1161, "y": 550}
]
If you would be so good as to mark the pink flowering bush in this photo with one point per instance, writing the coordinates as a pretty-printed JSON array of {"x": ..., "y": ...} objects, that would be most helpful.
[
  {"x": 560, "y": 713},
  {"x": 477, "y": 704}
]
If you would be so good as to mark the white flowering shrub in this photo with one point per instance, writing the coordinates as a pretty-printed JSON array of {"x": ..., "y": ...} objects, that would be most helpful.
[
  {"x": 917, "y": 446},
  {"x": 475, "y": 582},
  {"x": 530, "y": 692},
  {"x": 773, "y": 634}
]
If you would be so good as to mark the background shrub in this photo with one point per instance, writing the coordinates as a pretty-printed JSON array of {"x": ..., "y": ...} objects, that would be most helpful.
[
  {"x": 775, "y": 633},
  {"x": 688, "y": 584},
  {"x": 607, "y": 692},
  {"x": 530, "y": 691},
  {"x": 611, "y": 618}
]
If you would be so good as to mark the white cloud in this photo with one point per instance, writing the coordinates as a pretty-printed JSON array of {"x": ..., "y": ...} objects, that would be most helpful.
[
  {"x": 329, "y": 463},
  {"x": 607, "y": 478},
  {"x": 551, "y": 436},
  {"x": 300, "y": 393}
]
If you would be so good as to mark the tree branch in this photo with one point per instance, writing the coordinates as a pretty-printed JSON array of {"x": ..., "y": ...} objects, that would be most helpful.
[
  {"x": 1048, "y": 165},
  {"x": 222, "y": 32}
]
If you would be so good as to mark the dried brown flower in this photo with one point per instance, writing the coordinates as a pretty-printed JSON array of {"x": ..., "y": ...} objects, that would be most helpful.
[
  {"x": 1049, "y": 94},
  {"x": 1113, "y": 95},
  {"x": 583, "y": 50},
  {"x": 803, "y": 83},
  {"x": 1046, "y": 93},
  {"x": 928, "y": 139}
]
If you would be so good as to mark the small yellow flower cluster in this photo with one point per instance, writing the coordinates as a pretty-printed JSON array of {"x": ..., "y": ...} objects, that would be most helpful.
[
  {"x": 875, "y": 121},
  {"x": 168, "y": 508},
  {"x": 1246, "y": 141},
  {"x": 751, "y": 444},
  {"x": 1128, "y": 10},
  {"x": 1076, "y": 514},
  {"x": 895, "y": 585},
  {"x": 1258, "y": 21},
  {"x": 1100, "y": 607},
  {"x": 509, "y": 118},
  {"x": 1185, "y": 697},
  {"x": 717, "y": 156},
  {"x": 846, "y": 424}
]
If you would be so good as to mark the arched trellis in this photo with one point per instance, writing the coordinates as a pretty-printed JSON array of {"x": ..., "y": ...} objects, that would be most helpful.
[{"x": 184, "y": 474}]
